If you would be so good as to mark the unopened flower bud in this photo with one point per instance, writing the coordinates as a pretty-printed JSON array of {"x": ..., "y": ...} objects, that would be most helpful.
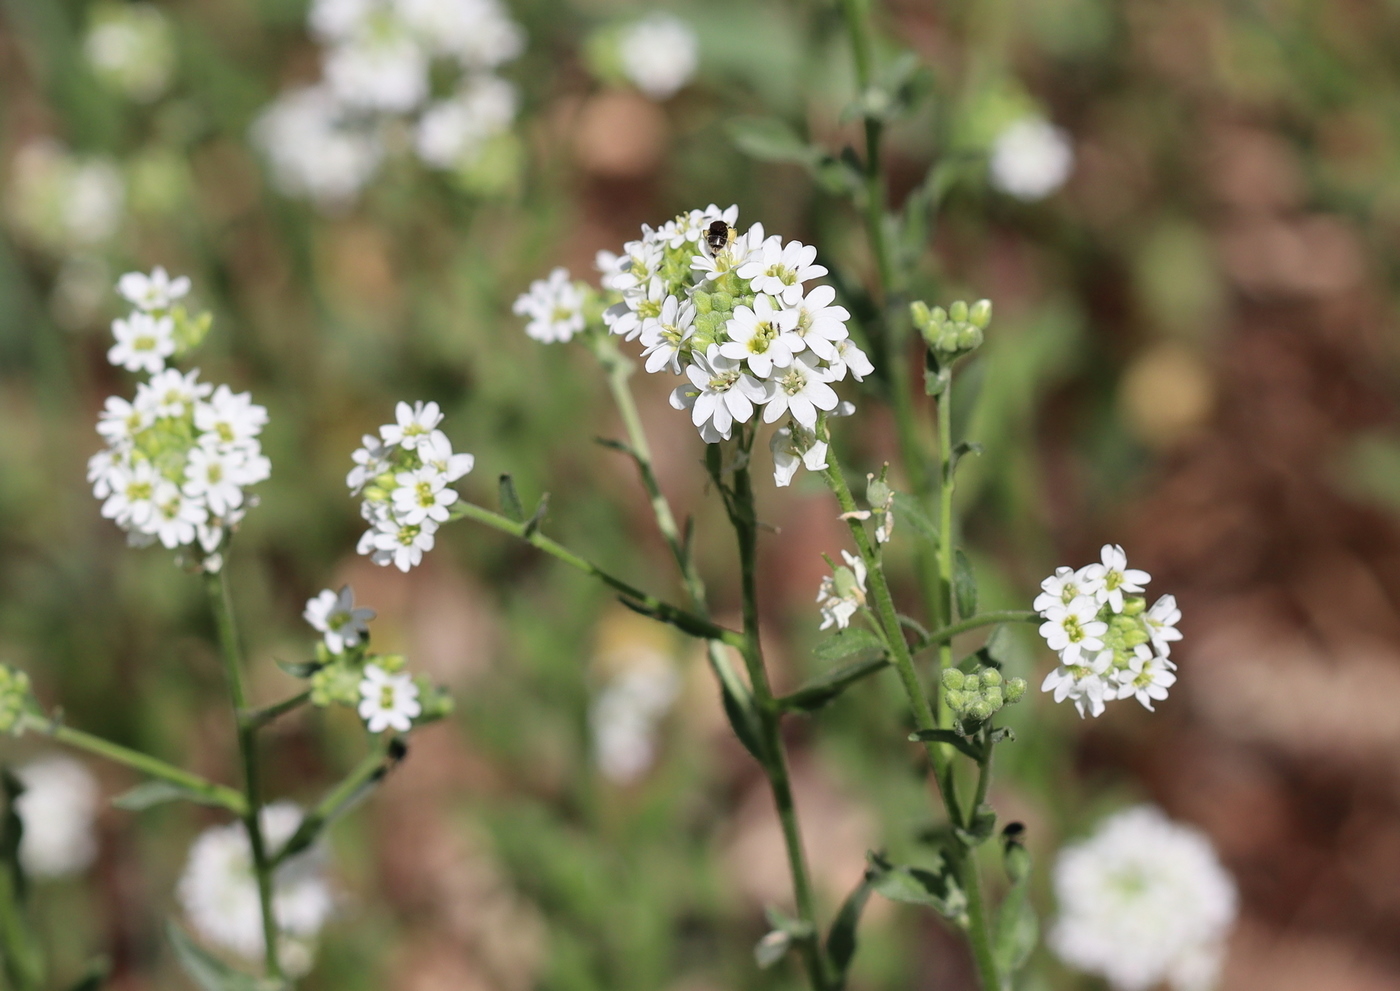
[
  {"x": 703, "y": 303},
  {"x": 844, "y": 579},
  {"x": 952, "y": 679},
  {"x": 723, "y": 301},
  {"x": 938, "y": 316},
  {"x": 991, "y": 676},
  {"x": 1134, "y": 605},
  {"x": 992, "y": 696},
  {"x": 957, "y": 700},
  {"x": 947, "y": 339},
  {"x": 981, "y": 710},
  {"x": 972, "y": 682},
  {"x": 919, "y": 313},
  {"x": 1015, "y": 689},
  {"x": 958, "y": 312},
  {"x": 969, "y": 337},
  {"x": 980, "y": 313},
  {"x": 14, "y": 698}
]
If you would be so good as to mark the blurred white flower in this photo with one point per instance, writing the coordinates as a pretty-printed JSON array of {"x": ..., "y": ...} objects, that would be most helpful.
[
  {"x": 57, "y": 809},
  {"x": 660, "y": 54},
  {"x": 1143, "y": 901},
  {"x": 1031, "y": 159},
  {"x": 554, "y": 307},
  {"x": 380, "y": 72},
  {"x": 842, "y": 593},
  {"x": 62, "y": 201},
  {"x": 388, "y": 701},
  {"x": 453, "y": 132},
  {"x": 130, "y": 47},
  {"x": 143, "y": 342},
  {"x": 335, "y": 615},
  {"x": 314, "y": 150},
  {"x": 477, "y": 34},
  {"x": 624, "y": 717},
  {"x": 219, "y": 892},
  {"x": 157, "y": 291}
]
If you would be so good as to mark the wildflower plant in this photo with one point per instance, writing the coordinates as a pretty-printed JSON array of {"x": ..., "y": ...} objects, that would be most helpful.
[{"x": 177, "y": 470}]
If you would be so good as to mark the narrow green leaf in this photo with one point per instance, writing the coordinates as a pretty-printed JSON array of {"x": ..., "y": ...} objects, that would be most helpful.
[
  {"x": 300, "y": 669},
  {"x": 208, "y": 971},
  {"x": 952, "y": 737},
  {"x": 827, "y": 686},
  {"x": 907, "y": 511},
  {"x": 771, "y": 948},
  {"x": 964, "y": 585},
  {"x": 770, "y": 140},
  {"x": 938, "y": 889},
  {"x": 1017, "y": 927},
  {"x": 841, "y": 939},
  {"x": 511, "y": 505},
  {"x": 151, "y": 793},
  {"x": 849, "y": 641},
  {"x": 536, "y": 518},
  {"x": 615, "y": 445},
  {"x": 741, "y": 720}
]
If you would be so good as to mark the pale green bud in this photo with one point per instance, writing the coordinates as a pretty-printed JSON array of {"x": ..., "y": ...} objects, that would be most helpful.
[
  {"x": 957, "y": 700},
  {"x": 1134, "y": 605},
  {"x": 958, "y": 312},
  {"x": 919, "y": 313},
  {"x": 845, "y": 581},
  {"x": 969, "y": 337},
  {"x": 981, "y": 710},
  {"x": 1015, "y": 689},
  {"x": 981, "y": 313},
  {"x": 14, "y": 698},
  {"x": 972, "y": 682},
  {"x": 952, "y": 679},
  {"x": 991, "y": 676},
  {"x": 992, "y": 696}
]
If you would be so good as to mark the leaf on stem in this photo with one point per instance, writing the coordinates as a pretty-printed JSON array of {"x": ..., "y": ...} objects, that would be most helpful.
[
  {"x": 951, "y": 737},
  {"x": 208, "y": 971},
  {"x": 841, "y": 939},
  {"x": 743, "y": 722},
  {"x": 1017, "y": 926},
  {"x": 961, "y": 450},
  {"x": 907, "y": 510},
  {"x": 533, "y": 523},
  {"x": 937, "y": 888},
  {"x": 964, "y": 585},
  {"x": 984, "y": 821},
  {"x": 846, "y": 643},
  {"x": 511, "y": 506},
  {"x": 825, "y": 687},
  {"x": 300, "y": 669},
  {"x": 615, "y": 445},
  {"x": 770, "y": 140},
  {"x": 152, "y": 793}
]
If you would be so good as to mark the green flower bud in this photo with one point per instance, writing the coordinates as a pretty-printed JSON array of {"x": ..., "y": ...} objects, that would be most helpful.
[
  {"x": 919, "y": 313},
  {"x": 845, "y": 581},
  {"x": 981, "y": 313},
  {"x": 938, "y": 317},
  {"x": 972, "y": 682},
  {"x": 14, "y": 699},
  {"x": 947, "y": 339},
  {"x": 957, "y": 700},
  {"x": 969, "y": 337},
  {"x": 991, "y": 676},
  {"x": 878, "y": 492},
  {"x": 1015, "y": 689},
  {"x": 958, "y": 312},
  {"x": 723, "y": 301},
  {"x": 1134, "y": 605},
  {"x": 952, "y": 679},
  {"x": 981, "y": 710},
  {"x": 703, "y": 303},
  {"x": 992, "y": 696}
]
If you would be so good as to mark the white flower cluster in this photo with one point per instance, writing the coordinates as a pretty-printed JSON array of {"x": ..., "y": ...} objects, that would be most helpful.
[
  {"x": 57, "y": 809},
  {"x": 624, "y": 717},
  {"x": 180, "y": 454},
  {"x": 404, "y": 475},
  {"x": 381, "y": 57},
  {"x": 1144, "y": 901},
  {"x": 219, "y": 891},
  {"x": 1111, "y": 645},
  {"x": 63, "y": 202},
  {"x": 659, "y": 54},
  {"x": 1031, "y": 158},
  {"x": 842, "y": 593},
  {"x": 131, "y": 48},
  {"x": 732, "y": 313}
]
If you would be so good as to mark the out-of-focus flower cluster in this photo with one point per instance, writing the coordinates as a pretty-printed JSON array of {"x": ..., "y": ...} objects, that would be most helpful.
[
  {"x": 730, "y": 312},
  {"x": 57, "y": 809},
  {"x": 63, "y": 202},
  {"x": 1030, "y": 159},
  {"x": 1143, "y": 902},
  {"x": 1111, "y": 645},
  {"x": 657, "y": 53},
  {"x": 131, "y": 49},
  {"x": 404, "y": 475},
  {"x": 624, "y": 718},
  {"x": 425, "y": 65},
  {"x": 181, "y": 453},
  {"x": 219, "y": 890},
  {"x": 374, "y": 685}
]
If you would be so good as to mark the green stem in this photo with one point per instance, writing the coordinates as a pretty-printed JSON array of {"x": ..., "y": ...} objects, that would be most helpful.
[
  {"x": 688, "y": 622},
  {"x": 945, "y": 634},
  {"x": 339, "y": 800},
  {"x": 259, "y": 718},
  {"x": 216, "y": 584},
  {"x": 215, "y": 794},
  {"x": 769, "y": 714}
]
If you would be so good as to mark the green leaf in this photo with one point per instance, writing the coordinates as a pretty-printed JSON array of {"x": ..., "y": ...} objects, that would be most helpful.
[
  {"x": 511, "y": 505},
  {"x": 908, "y": 511},
  {"x": 961, "y": 450},
  {"x": 742, "y": 721},
  {"x": 613, "y": 445},
  {"x": 938, "y": 889},
  {"x": 841, "y": 939},
  {"x": 300, "y": 669},
  {"x": 536, "y": 518},
  {"x": 151, "y": 793},
  {"x": 952, "y": 737},
  {"x": 827, "y": 686},
  {"x": 770, "y": 140},
  {"x": 1017, "y": 926},
  {"x": 208, "y": 971},
  {"x": 984, "y": 822},
  {"x": 771, "y": 948},
  {"x": 847, "y": 642},
  {"x": 964, "y": 585}
]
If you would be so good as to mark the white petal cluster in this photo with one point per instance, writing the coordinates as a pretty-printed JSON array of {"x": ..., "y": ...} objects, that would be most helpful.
[
  {"x": 63, "y": 202},
  {"x": 57, "y": 809},
  {"x": 624, "y": 717},
  {"x": 219, "y": 891},
  {"x": 405, "y": 476},
  {"x": 1144, "y": 902},
  {"x": 181, "y": 454},
  {"x": 336, "y": 617},
  {"x": 131, "y": 48},
  {"x": 388, "y": 701},
  {"x": 381, "y": 61},
  {"x": 735, "y": 318},
  {"x": 842, "y": 593},
  {"x": 553, "y": 308},
  {"x": 659, "y": 54},
  {"x": 1111, "y": 645},
  {"x": 1031, "y": 159}
]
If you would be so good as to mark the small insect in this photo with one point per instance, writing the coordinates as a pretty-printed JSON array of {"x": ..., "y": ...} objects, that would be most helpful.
[{"x": 719, "y": 235}]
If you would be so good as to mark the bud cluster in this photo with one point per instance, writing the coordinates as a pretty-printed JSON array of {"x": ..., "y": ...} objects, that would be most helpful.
[
  {"x": 955, "y": 331},
  {"x": 14, "y": 698},
  {"x": 978, "y": 695}
]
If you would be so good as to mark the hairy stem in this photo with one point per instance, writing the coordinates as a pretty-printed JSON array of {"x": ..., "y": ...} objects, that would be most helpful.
[{"x": 221, "y": 602}]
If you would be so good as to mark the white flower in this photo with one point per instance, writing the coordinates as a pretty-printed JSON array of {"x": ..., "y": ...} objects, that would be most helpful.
[
  {"x": 691, "y": 227},
  {"x": 1086, "y": 682},
  {"x": 1067, "y": 584},
  {"x": 554, "y": 307},
  {"x": 64, "y": 202},
  {"x": 388, "y": 701},
  {"x": 842, "y": 594},
  {"x": 176, "y": 517},
  {"x": 800, "y": 389},
  {"x": 229, "y": 418},
  {"x": 385, "y": 71},
  {"x": 422, "y": 494},
  {"x": 665, "y": 337},
  {"x": 130, "y": 46},
  {"x": 335, "y": 615},
  {"x": 371, "y": 460},
  {"x": 1031, "y": 159},
  {"x": 624, "y": 716},
  {"x": 453, "y": 132},
  {"x": 763, "y": 335},
  {"x": 99, "y": 473},
  {"x": 659, "y": 54},
  {"x": 120, "y": 421},
  {"x": 436, "y": 452},
  {"x": 413, "y": 424},
  {"x": 792, "y": 446},
  {"x": 217, "y": 477},
  {"x": 143, "y": 342},
  {"x": 157, "y": 291},
  {"x": 849, "y": 358},
  {"x": 314, "y": 150},
  {"x": 720, "y": 394},
  {"x": 399, "y": 544},
  {"x": 780, "y": 270},
  {"x": 57, "y": 809},
  {"x": 1147, "y": 678},
  {"x": 219, "y": 891},
  {"x": 713, "y": 264},
  {"x": 1161, "y": 622},
  {"x": 1072, "y": 628},
  {"x": 131, "y": 494},
  {"x": 1143, "y": 901},
  {"x": 640, "y": 303},
  {"x": 1118, "y": 578},
  {"x": 169, "y": 393},
  {"x": 477, "y": 34},
  {"x": 820, "y": 324}
]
